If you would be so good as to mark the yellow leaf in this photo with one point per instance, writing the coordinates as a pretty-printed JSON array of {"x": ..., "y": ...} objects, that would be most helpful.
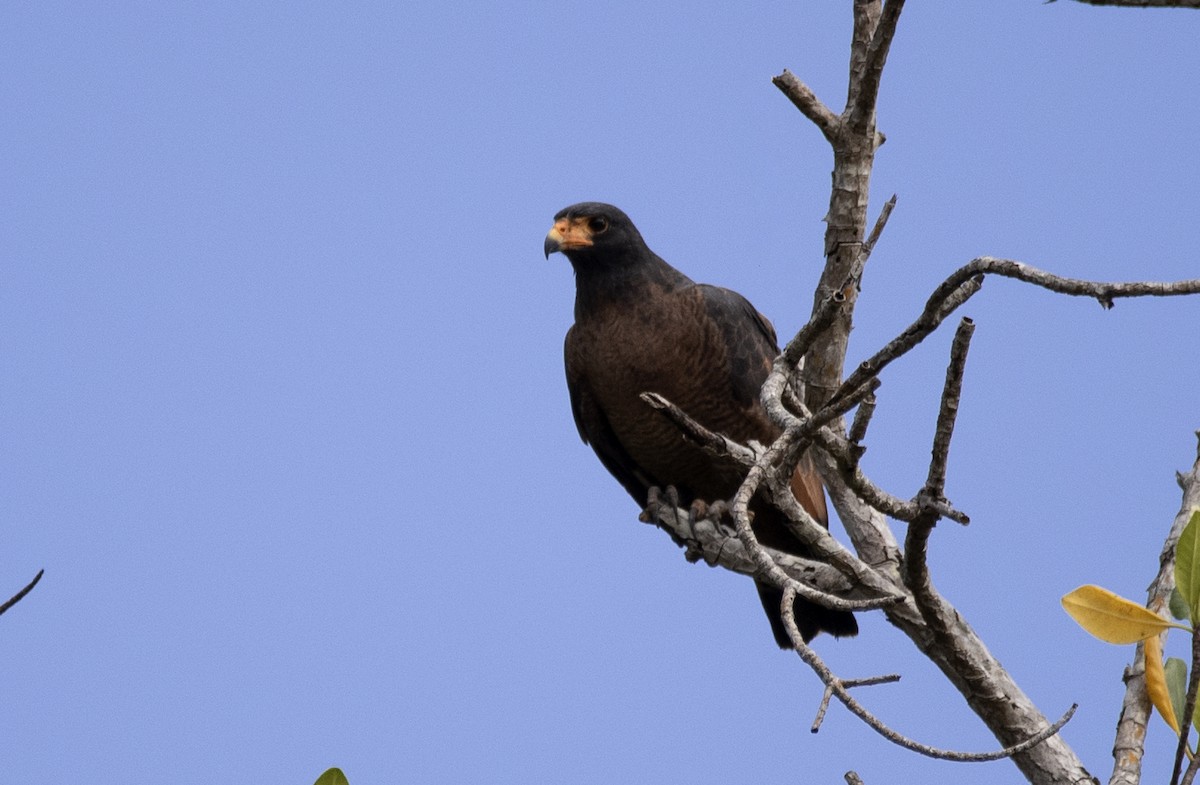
[
  {"x": 1156, "y": 681},
  {"x": 1111, "y": 617}
]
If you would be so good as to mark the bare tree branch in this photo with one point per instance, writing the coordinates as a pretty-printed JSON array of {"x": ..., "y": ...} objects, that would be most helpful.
[
  {"x": 1189, "y": 706},
  {"x": 719, "y": 548},
  {"x": 817, "y": 355},
  {"x": 1189, "y": 776},
  {"x": 846, "y": 463},
  {"x": 1143, "y": 3},
  {"x": 853, "y": 155},
  {"x": 804, "y": 99},
  {"x": 1104, "y": 292},
  {"x": 935, "y": 485},
  {"x": 865, "y": 82},
  {"x": 935, "y": 627},
  {"x": 966, "y": 280},
  {"x": 763, "y": 561},
  {"x": 988, "y": 688},
  {"x": 877, "y": 230},
  {"x": 870, "y": 681},
  {"x": 21, "y": 594},
  {"x": 838, "y": 687},
  {"x": 862, "y": 420}
]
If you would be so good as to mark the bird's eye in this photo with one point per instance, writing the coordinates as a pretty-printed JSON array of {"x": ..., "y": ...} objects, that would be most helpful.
[{"x": 598, "y": 225}]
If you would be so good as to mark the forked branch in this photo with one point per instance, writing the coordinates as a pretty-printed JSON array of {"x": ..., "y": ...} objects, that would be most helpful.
[{"x": 839, "y": 689}]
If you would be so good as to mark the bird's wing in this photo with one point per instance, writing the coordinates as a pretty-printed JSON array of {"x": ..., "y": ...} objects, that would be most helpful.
[
  {"x": 749, "y": 339},
  {"x": 595, "y": 429},
  {"x": 751, "y": 348}
]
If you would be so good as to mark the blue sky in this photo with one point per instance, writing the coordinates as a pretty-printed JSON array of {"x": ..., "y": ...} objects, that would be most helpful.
[{"x": 283, "y": 414}]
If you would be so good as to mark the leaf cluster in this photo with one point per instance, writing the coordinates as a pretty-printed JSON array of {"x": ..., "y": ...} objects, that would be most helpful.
[{"x": 1114, "y": 619}]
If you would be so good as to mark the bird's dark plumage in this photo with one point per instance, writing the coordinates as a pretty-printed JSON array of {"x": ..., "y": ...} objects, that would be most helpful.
[{"x": 643, "y": 326}]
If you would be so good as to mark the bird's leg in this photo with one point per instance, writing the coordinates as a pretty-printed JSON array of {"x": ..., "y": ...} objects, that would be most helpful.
[
  {"x": 705, "y": 523},
  {"x": 709, "y": 516},
  {"x": 681, "y": 530},
  {"x": 655, "y": 499},
  {"x": 720, "y": 514}
]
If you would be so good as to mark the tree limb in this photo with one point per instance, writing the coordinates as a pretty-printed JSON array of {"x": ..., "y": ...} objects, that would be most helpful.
[
  {"x": 865, "y": 80},
  {"x": 1143, "y": 3},
  {"x": 21, "y": 594},
  {"x": 839, "y": 689},
  {"x": 804, "y": 99}
]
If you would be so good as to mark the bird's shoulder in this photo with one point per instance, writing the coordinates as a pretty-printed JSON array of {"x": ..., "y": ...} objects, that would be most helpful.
[
  {"x": 746, "y": 337},
  {"x": 696, "y": 344},
  {"x": 738, "y": 318}
]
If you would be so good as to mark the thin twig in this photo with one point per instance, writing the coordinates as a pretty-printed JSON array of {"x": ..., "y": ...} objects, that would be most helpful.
[
  {"x": 1189, "y": 706},
  {"x": 835, "y": 409},
  {"x": 727, "y": 551},
  {"x": 751, "y": 557},
  {"x": 877, "y": 230},
  {"x": 848, "y": 468},
  {"x": 799, "y": 432},
  {"x": 804, "y": 526},
  {"x": 712, "y": 441},
  {"x": 869, "y": 681},
  {"x": 1102, "y": 291},
  {"x": 916, "y": 573},
  {"x": 845, "y": 456},
  {"x": 740, "y": 508},
  {"x": 814, "y": 661},
  {"x": 1143, "y": 3},
  {"x": 961, "y": 284},
  {"x": 935, "y": 312},
  {"x": 1193, "y": 767},
  {"x": 941, "y": 508},
  {"x": 785, "y": 364},
  {"x": 825, "y": 547},
  {"x": 862, "y": 420},
  {"x": 960, "y": 295},
  {"x": 935, "y": 485},
  {"x": 916, "y": 542},
  {"x": 931, "y": 499},
  {"x": 21, "y": 594}
]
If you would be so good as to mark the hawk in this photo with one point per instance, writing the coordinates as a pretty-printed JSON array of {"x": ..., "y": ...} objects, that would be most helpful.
[{"x": 643, "y": 326}]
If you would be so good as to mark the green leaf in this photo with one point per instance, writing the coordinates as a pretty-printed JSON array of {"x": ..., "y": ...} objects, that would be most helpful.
[
  {"x": 1176, "y": 676},
  {"x": 1111, "y": 617},
  {"x": 1187, "y": 565},
  {"x": 332, "y": 777},
  {"x": 1178, "y": 606}
]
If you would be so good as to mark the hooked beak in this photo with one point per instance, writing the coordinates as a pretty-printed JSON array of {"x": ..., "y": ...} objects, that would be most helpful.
[
  {"x": 553, "y": 243},
  {"x": 568, "y": 234}
]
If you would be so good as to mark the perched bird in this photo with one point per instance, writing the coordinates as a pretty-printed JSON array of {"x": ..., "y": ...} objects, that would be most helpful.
[{"x": 643, "y": 326}]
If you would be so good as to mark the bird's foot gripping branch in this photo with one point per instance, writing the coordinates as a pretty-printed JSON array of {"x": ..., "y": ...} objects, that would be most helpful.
[{"x": 703, "y": 532}]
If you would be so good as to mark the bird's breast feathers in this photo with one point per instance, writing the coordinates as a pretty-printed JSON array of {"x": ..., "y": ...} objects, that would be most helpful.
[{"x": 671, "y": 347}]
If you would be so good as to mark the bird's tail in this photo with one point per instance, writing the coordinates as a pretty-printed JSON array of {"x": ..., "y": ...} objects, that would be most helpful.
[{"x": 810, "y": 617}]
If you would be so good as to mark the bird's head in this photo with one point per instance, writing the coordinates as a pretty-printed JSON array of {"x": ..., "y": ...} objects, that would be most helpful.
[{"x": 593, "y": 231}]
